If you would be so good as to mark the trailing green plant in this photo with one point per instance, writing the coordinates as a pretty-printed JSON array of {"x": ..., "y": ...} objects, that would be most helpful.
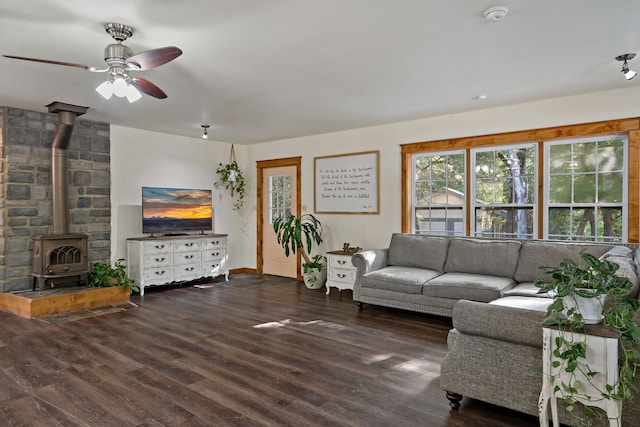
[
  {"x": 591, "y": 278},
  {"x": 230, "y": 178},
  {"x": 103, "y": 275}
]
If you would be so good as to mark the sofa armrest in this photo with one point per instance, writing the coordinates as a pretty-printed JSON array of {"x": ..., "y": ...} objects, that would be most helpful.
[
  {"x": 503, "y": 323},
  {"x": 368, "y": 261}
]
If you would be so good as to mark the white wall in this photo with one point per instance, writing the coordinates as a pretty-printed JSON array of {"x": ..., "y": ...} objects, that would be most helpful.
[
  {"x": 142, "y": 158},
  {"x": 145, "y": 158}
]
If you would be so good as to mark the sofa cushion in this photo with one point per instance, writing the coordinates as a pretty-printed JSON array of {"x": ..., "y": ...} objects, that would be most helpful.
[
  {"x": 475, "y": 287},
  {"x": 537, "y": 253},
  {"x": 526, "y": 290},
  {"x": 408, "y": 280},
  {"x": 411, "y": 250},
  {"x": 490, "y": 257},
  {"x": 526, "y": 303}
]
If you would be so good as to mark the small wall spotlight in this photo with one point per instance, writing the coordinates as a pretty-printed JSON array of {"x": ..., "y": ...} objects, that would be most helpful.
[
  {"x": 628, "y": 74},
  {"x": 205, "y": 133}
]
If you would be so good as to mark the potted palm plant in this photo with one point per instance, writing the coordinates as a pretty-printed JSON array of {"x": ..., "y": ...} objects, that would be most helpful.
[
  {"x": 577, "y": 288},
  {"x": 296, "y": 234}
]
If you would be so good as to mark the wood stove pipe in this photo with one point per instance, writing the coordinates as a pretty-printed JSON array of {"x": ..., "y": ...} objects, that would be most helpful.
[{"x": 67, "y": 114}]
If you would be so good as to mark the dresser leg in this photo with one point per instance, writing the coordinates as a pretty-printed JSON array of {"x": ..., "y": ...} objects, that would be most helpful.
[{"x": 359, "y": 305}]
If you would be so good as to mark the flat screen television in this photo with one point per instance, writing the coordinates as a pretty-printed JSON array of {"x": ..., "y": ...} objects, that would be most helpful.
[{"x": 176, "y": 210}]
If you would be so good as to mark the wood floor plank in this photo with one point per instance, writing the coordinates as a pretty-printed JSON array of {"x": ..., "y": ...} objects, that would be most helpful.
[{"x": 253, "y": 351}]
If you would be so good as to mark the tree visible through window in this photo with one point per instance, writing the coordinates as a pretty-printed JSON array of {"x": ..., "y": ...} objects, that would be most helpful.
[
  {"x": 504, "y": 186},
  {"x": 280, "y": 188},
  {"x": 586, "y": 191},
  {"x": 439, "y": 193}
]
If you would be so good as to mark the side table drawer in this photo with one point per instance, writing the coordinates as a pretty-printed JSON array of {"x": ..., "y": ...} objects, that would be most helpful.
[
  {"x": 341, "y": 261},
  {"x": 342, "y": 275}
]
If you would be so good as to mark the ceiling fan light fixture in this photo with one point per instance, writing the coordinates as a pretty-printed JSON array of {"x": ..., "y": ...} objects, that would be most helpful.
[
  {"x": 133, "y": 94},
  {"x": 105, "y": 89}
]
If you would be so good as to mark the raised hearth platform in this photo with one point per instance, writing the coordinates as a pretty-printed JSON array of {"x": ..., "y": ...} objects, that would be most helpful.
[{"x": 62, "y": 300}]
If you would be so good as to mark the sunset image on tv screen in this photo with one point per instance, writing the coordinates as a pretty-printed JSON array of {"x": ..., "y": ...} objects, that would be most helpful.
[{"x": 175, "y": 209}]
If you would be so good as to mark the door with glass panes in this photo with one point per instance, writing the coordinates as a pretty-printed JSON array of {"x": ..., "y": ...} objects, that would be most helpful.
[{"x": 279, "y": 188}]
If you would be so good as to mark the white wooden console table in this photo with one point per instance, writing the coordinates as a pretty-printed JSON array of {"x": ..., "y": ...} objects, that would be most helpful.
[
  {"x": 153, "y": 261},
  {"x": 602, "y": 357}
]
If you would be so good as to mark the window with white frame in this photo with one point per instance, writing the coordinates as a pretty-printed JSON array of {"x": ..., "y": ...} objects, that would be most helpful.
[
  {"x": 439, "y": 193},
  {"x": 280, "y": 195},
  {"x": 586, "y": 189},
  {"x": 503, "y": 182}
]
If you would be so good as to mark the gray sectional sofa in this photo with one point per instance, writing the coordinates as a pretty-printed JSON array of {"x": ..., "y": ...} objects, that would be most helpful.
[
  {"x": 486, "y": 286},
  {"x": 430, "y": 274}
]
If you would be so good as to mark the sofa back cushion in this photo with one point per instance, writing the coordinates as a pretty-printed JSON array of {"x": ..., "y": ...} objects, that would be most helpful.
[
  {"x": 624, "y": 257},
  {"x": 410, "y": 250},
  {"x": 537, "y": 253},
  {"x": 490, "y": 257}
]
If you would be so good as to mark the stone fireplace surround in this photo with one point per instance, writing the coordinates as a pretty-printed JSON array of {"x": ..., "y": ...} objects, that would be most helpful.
[{"x": 26, "y": 191}]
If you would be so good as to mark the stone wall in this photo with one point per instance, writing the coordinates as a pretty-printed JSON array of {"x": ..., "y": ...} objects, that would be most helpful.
[{"x": 26, "y": 193}]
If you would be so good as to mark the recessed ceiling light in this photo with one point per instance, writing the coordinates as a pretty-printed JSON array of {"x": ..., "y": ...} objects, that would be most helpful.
[{"x": 480, "y": 97}]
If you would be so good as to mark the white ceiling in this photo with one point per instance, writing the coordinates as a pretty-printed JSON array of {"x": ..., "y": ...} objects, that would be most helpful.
[{"x": 261, "y": 70}]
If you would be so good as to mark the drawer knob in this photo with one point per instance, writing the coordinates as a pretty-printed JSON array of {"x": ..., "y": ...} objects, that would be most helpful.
[
  {"x": 160, "y": 259},
  {"x": 160, "y": 273},
  {"x": 159, "y": 246},
  {"x": 189, "y": 256},
  {"x": 342, "y": 276},
  {"x": 342, "y": 262},
  {"x": 189, "y": 245}
]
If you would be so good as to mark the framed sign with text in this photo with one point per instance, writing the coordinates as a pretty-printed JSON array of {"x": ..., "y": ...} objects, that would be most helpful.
[{"x": 347, "y": 183}]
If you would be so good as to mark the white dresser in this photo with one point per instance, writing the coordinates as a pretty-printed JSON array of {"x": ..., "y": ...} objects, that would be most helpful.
[
  {"x": 153, "y": 261},
  {"x": 341, "y": 272}
]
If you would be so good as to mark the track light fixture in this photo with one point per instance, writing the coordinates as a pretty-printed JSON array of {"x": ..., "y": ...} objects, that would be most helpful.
[
  {"x": 205, "y": 133},
  {"x": 628, "y": 74}
]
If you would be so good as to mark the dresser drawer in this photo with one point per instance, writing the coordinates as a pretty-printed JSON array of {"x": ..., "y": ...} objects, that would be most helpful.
[
  {"x": 187, "y": 245},
  {"x": 158, "y": 247},
  {"x": 342, "y": 275},
  {"x": 340, "y": 261},
  {"x": 213, "y": 254},
  {"x": 158, "y": 275},
  {"x": 187, "y": 272},
  {"x": 213, "y": 242},
  {"x": 158, "y": 260},
  {"x": 187, "y": 257},
  {"x": 214, "y": 268}
]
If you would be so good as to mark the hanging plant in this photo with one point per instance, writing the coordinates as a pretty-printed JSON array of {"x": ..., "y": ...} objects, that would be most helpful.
[{"x": 230, "y": 178}]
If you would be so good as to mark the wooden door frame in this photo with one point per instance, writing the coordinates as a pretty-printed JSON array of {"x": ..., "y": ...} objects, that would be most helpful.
[{"x": 260, "y": 166}]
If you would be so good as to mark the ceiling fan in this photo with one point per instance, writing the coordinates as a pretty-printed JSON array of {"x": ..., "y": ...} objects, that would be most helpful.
[{"x": 121, "y": 60}]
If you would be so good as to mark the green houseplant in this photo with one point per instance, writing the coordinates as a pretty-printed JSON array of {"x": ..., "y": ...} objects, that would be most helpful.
[
  {"x": 297, "y": 233},
  {"x": 595, "y": 280},
  {"x": 103, "y": 274},
  {"x": 230, "y": 178}
]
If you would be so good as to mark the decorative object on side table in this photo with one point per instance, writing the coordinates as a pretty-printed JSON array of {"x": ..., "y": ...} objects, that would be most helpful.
[
  {"x": 230, "y": 178},
  {"x": 292, "y": 234},
  {"x": 576, "y": 379},
  {"x": 103, "y": 275}
]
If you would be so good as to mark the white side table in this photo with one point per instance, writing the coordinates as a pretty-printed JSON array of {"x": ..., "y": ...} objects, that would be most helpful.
[
  {"x": 341, "y": 272},
  {"x": 602, "y": 357}
]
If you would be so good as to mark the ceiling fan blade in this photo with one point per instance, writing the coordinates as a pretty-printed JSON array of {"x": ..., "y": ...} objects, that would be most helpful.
[
  {"x": 153, "y": 58},
  {"x": 145, "y": 86},
  {"x": 46, "y": 61}
]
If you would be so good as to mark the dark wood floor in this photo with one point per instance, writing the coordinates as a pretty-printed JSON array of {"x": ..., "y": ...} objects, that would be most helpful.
[{"x": 255, "y": 351}]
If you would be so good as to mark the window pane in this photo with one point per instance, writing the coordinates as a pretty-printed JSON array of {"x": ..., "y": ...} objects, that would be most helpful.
[
  {"x": 280, "y": 196},
  {"x": 610, "y": 223},
  {"x": 584, "y": 188},
  {"x": 584, "y": 157},
  {"x": 610, "y": 188},
  {"x": 504, "y": 222},
  {"x": 560, "y": 158}
]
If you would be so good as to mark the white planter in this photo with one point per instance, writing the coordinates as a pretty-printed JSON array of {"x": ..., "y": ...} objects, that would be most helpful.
[
  {"x": 315, "y": 279},
  {"x": 590, "y": 308}
]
